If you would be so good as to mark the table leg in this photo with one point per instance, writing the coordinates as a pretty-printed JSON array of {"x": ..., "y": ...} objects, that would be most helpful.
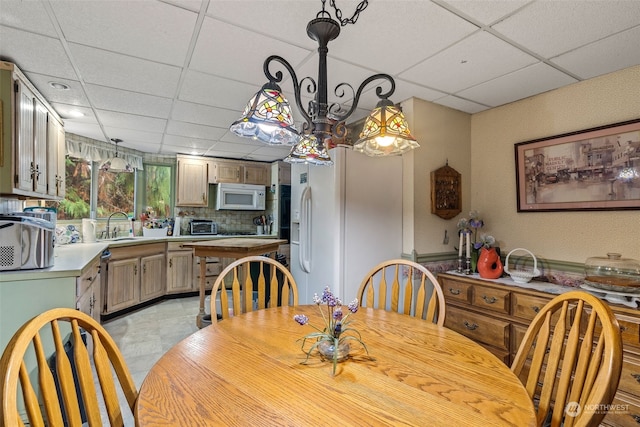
[{"x": 203, "y": 281}]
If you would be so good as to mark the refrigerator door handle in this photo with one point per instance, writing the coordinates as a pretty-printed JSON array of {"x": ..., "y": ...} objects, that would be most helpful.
[{"x": 305, "y": 230}]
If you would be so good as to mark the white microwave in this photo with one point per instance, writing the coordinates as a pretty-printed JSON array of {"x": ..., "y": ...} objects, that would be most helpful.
[{"x": 240, "y": 197}]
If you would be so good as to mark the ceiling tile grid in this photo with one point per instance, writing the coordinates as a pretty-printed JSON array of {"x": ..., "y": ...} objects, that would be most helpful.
[{"x": 169, "y": 76}]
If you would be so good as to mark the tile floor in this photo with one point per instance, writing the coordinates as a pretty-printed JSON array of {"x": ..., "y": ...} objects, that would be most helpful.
[{"x": 145, "y": 335}]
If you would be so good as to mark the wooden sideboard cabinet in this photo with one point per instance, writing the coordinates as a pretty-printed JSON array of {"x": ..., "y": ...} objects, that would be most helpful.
[
  {"x": 179, "y": 268},
  {"x": 497, "y": 316}
]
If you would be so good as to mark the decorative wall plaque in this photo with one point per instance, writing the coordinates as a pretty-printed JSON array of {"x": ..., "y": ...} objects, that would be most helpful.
[{"x": 446, "y": 200}]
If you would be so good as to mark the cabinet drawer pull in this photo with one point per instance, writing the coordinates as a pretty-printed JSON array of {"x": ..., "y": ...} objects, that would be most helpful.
[
  {"x": 489, "y": 300},
  {"x": 636, "y": 418},
  {"x": 471, "y": 327},
  {"x": 454, "y": 291},
  {"x": 535, "y": 308},
  {"x": 636, "y": 377},
  {"x": 623, "y": 328}
]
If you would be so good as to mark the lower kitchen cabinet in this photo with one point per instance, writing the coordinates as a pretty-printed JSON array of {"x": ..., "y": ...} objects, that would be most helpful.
[
  {"x": 152, "y": 282},
  {"x": 179, "y": 268},
  {"x": 497, "y": 316},
  {"x": 123, "y": 284},
  {"x": 127, "y": 284},
  {"x": 88, "y": 297}
]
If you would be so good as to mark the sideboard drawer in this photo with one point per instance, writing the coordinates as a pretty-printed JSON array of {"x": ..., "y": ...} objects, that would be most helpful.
[
  {"x": 455, "y": 290},
  {"x": 491, "y": 298},
  {"x": 480, "y": 328},
  {"x": 526, "y": 306}
]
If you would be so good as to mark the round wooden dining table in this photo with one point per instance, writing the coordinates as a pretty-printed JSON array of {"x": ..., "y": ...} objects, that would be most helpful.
[{"x": 247, "y": 370}]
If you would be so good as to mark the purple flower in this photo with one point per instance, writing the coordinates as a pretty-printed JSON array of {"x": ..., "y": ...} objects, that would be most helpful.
[
  {"x": 329, "y": 298},
  {"x": 353, "y": 305},
  {"x": 316, "y": 299},
  {"x": 337, "y": 314},
  {"x": 301, "y": 318},
  {"x": 476, "y": 223}
]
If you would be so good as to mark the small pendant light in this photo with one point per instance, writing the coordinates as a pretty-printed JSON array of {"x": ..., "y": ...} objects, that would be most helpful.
[{"x": 116, "y": 164}]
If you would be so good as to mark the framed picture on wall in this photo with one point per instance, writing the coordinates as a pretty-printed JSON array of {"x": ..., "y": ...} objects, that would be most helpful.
[{"x": 593, "y": 169}]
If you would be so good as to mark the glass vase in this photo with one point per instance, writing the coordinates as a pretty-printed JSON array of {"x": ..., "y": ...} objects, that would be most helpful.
[{"x": 327, "y": 349}]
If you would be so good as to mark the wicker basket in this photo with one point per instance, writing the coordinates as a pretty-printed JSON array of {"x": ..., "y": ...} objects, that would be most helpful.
[{"x": 522, "y": 276}]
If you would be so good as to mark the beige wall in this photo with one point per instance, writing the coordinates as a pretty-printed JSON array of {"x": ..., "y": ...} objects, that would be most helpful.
[
  {"x": 565, "y": 236},
  {"x": 444, "y": 134}
]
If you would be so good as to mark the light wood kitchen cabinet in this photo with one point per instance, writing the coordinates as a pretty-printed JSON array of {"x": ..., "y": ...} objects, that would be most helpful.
[
  {"x": 179, "y": 268},
  {"x": 152, "y": 281},
  {"x": 31, "y": 142},
  {"x": 55, "y": 159},
  {"x": 497, "y": 316},
  {"x": 192, "y": 181},
  {"x": 227, "y": 172},
  {"x": 125, "y": 273},
  {"x": 257, "y": 173},
  {"x": 123, "y": 284},
  {"x": 239, "y": 172},
  {"x": 88, "y": 298}
]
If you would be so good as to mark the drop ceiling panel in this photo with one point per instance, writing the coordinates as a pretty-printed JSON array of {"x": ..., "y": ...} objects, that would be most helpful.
[
  {"x": 243, "y": 58},
  {"x": 621, "y": 50},
  {"x": 105, "y": 68},
  {"x": 458, "y": 103},
  {"x": 474, "y": 60},
  {"x": 66, "y": 112},
  {"x": 132, "y": 121},
  {"x": 550, "y": 28},
  {"x": 485, "y": 12},
  {"x": 190, "y": 112},
  {"x": 147, "y": 29},
  {"x": 90, "y": 130},
  {"x": 130, "y": 135},
  {"x": 215, "y": 91},
  {"x": 520, "y": 84},
  {"x": 381, "y": 40},
  {"x": 51, "y": 58},
  {"x": 106, "y": 98},
  {"x": 74, "y": 95},
  {"x": 283, "y": 20},
  {"x": 28, "y": 16},
  {"x": 195, "y": 131}
]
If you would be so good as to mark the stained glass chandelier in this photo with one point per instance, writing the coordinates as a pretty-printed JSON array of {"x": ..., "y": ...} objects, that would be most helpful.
[{"x": 267, "y": 116}]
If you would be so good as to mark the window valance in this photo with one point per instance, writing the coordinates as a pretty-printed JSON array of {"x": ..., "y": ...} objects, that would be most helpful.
[{"x": 97, "y": 151}]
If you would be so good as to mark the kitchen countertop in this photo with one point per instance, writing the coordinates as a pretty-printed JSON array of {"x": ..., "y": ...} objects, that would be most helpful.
[{"x": 71, "y": 259}]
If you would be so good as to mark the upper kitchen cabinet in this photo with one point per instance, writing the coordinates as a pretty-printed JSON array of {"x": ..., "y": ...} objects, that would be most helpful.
[
  {"x": 281, "y": 173},
  {"x": 239, "y": 172},
  {"x": 192, "y": 183},
  {"x": 31, "y": 142}
]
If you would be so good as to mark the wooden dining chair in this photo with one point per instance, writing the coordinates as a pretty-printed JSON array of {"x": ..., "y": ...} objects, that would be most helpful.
[
  {"x": 570, "y": 360},
  {"x": 265, "y": 278},
  {"x": 405, "y": 287},
  {"x": 65, "y": 390}
]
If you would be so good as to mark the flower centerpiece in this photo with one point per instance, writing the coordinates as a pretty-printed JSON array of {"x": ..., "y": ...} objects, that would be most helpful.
[{"x": 332, "y": 341}]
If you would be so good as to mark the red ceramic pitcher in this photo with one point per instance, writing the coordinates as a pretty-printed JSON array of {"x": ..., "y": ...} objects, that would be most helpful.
[{"x": 489, "y": 264}]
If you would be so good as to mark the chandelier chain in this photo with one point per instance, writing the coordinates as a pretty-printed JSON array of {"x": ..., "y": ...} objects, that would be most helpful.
[{"x": 344, "y": 21}]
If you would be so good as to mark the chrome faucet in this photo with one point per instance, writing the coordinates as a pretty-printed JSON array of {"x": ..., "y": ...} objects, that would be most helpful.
[{"x": 114, "y": 234}]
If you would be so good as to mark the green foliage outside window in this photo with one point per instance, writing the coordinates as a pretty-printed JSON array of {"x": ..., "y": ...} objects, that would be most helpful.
[
  {"x": 116, "y": 193},
  {"x": 158, "y": 189},
  {"x": 76, "y": 204}
]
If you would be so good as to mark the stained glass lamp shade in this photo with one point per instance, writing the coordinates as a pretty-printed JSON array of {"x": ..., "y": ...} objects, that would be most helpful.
[
  {"x": 385, "y": 132},
  {"x": 267, "y": 117},
  {"x": 310, "y": 151}
]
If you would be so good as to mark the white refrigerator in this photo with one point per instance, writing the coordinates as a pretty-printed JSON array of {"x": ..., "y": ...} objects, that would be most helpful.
[{"x": 345, "y": 219}]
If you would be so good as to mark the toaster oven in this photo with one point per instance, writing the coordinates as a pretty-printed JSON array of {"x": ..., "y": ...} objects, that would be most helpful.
[{"x": 203, "y": 227}]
